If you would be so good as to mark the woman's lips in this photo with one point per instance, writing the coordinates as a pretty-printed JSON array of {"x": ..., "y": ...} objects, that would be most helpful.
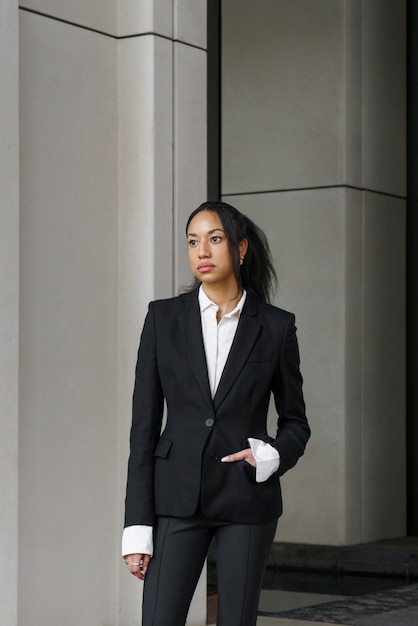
[{"x": 205, "y": 267}]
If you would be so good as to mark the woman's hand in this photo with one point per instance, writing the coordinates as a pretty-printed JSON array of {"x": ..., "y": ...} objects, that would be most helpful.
[
  {"x": 137, "y": 564},
  {"x": 243, "y": 455}
]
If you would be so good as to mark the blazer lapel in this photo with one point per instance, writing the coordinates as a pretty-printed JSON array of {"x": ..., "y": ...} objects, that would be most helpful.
[
  {"x": 244, "y": 340},
  {"x": 191, "y": 329}
]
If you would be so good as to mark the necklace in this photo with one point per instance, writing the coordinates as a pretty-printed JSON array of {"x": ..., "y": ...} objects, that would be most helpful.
[{"x": 220, "y": 313}]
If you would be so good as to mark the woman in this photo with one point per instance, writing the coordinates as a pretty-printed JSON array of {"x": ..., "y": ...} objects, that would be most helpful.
[{"x": 214, "y": 355}]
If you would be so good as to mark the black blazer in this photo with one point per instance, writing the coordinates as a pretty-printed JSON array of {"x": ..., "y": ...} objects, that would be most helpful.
[{"x": 171, "y": 472}]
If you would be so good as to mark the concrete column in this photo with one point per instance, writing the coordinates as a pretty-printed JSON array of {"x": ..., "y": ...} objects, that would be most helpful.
[
  {"x": 190, "y": 159},
  {"x": 103, "y": 127},
  {"x": 9, "y": 309},
  {"x": 314, "y": 150}
]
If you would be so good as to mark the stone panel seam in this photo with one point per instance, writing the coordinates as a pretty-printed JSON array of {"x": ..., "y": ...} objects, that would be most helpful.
[
  {"x": 292, "y": 189},
  {"x": 105, "y": 34}
]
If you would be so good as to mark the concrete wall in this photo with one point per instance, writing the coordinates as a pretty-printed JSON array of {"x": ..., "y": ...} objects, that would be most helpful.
[
  {"x": 113, "y": 147},
  {"x": 313, "y": 149},
  {"x": 9, "y": 308}
]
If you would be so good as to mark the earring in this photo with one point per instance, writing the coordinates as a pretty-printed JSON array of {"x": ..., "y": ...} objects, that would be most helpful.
[{"x": 241, "y": 261}]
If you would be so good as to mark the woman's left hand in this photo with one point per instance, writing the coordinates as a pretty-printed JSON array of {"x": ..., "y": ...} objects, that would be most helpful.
[{"x": 242, "y": 455}]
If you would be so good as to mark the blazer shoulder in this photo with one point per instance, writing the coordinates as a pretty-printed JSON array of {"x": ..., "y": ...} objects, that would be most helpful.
[
  {"x": 175, "y": 303},
  {"x": 272, "y": 311}
]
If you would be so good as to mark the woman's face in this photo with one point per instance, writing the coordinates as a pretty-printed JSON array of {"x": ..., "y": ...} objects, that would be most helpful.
[{"x": 209, "y": 254}]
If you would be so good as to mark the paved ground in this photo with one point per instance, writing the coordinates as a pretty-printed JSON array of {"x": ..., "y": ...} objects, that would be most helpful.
[
  {"x": 403, "y": 617},
  {"x": 267, "y": 621},
  {"x": 393, "y": 607}
]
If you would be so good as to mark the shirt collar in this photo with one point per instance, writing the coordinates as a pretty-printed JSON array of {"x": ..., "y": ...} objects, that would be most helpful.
[{"x": 205, "y": 303}]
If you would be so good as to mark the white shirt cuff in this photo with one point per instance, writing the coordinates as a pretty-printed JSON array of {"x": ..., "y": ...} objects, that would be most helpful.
[
  {"x": 267, "y": 459},
  {"x": 137, "y": 540}
]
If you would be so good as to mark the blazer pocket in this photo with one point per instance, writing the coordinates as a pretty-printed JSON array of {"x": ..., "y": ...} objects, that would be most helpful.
[
  {"x": 249, "y": 471},
  {"x": 163, "y": 448},
  {"x": 258, "y": 356}
]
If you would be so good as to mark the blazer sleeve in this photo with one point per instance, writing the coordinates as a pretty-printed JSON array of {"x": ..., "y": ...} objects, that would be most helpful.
[
  {"x": 293, "y": 430},
  {"x": 147, "y": 413}
]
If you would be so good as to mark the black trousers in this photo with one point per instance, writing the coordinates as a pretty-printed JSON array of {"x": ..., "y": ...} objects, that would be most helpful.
[{"x": 180, "y": 550}]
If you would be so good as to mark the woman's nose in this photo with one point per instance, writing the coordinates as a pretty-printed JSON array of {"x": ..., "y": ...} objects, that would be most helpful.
[{"x": 204, "y": 250}]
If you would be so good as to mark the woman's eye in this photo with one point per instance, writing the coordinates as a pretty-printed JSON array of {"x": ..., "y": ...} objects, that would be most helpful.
[
  {"x": 192, "y": 242},
  {"x": 216, "y": 239}
]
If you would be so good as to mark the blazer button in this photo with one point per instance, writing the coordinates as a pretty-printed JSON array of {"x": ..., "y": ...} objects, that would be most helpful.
[{"x": 209, "y": 422}]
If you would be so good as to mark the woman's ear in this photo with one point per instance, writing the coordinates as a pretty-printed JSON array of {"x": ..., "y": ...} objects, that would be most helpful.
[{"x": 243, "y": 247}]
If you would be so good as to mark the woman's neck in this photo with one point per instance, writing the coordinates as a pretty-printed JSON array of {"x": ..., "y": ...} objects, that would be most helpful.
[{"x": 226, "y": 300}]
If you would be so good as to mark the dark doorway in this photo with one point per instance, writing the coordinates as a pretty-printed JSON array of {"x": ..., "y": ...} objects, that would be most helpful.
[{"x": 412, "y": 270}]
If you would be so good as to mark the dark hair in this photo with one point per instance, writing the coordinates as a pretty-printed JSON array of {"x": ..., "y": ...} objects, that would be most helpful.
[{"x": 257, "y": 274}]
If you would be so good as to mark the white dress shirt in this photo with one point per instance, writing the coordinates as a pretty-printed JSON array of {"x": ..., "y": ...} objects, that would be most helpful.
[{"x": 217, "y": 340}]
